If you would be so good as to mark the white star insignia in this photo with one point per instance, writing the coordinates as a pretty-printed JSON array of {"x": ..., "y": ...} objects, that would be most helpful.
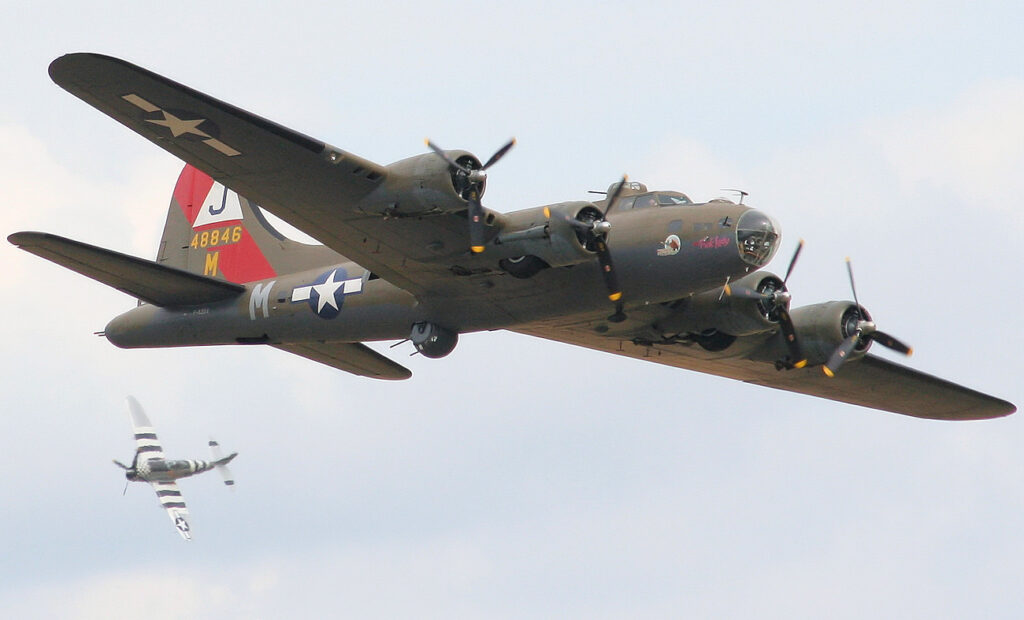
[
  {"x": 179, "y": 126},
  {"x": 326, "y": 292}
]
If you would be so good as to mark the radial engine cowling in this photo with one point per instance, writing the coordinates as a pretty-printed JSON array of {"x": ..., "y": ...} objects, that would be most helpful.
[
  {"x": 821, "y": 328},
  {"x": 730, "y": 314},
  {"x": 545, "y": 232},
  {"x": 424, "y": 183}
]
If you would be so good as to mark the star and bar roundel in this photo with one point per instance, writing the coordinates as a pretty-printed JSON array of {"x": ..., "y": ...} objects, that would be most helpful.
[{"x": 327, "y": 293}]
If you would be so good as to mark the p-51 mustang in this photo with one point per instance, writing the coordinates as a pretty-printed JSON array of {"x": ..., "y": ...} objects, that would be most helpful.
[
  {"x": 150, "y": 465},
  {"x": 410, "y": 252}
]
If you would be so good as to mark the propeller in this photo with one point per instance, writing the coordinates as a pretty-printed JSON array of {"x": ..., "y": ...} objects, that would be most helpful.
[
  {"x": 778, "y": 301},
  {"x": 475, "y": 178},
  {"x": 594, "y": 233},
  {"x": 865, "y": 332}
]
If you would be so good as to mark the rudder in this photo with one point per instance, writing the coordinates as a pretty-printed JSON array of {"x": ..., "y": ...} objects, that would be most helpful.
[{"x": 211, "y": 230}]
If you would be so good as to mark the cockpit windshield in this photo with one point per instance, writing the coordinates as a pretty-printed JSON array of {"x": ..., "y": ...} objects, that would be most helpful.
[
  {"x": 674, "y": 199},
  {"x": 644, "y": 201}
]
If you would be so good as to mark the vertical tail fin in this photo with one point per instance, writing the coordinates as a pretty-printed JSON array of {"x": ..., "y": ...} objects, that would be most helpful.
[{"x": 213, "y": 231}]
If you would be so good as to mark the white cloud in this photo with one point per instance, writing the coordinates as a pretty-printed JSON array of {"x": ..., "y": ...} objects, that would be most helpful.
[{"x": 971, "y": 147}]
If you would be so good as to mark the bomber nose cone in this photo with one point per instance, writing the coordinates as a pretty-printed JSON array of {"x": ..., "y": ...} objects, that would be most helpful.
[{"x": 757, "y": 237}]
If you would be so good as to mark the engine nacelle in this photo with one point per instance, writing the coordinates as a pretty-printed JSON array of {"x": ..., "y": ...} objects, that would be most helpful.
[
  {"x": 424, "y": 184},
  {"x": 433, "y": 341},
  {"x": 821, "y": 328},
  {"x": 543, "y": 232},
  {"x": 712, "y": 311}
]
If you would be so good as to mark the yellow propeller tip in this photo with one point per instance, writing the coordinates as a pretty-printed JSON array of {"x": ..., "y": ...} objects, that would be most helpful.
[
  {"x": 615, "y": 296},
  {"x": 800, "y": 364},
  {"x": 828, "y": 373},
  {"x": 547, "y": 213},
  {"x": 910, "y": 352},
  {"x": 728, "y": 290},
  {"x": 477, "y": 249}
]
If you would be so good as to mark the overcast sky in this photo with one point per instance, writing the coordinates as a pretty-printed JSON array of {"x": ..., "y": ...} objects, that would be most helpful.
[{"x": 516, "y": 477}]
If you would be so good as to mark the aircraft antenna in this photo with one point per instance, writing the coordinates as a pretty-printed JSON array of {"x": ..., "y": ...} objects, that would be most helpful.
[{"x": 742, "y": 193}]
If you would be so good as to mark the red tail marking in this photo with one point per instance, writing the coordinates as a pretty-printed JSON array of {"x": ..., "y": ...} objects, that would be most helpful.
[
  {"x": 191, "y": 190},
  {"x": 240, "y": 262}
]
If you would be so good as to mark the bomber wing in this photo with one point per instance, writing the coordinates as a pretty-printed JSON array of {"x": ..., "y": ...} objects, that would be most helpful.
[
  {"x": 870, "y": 382},
  {"x": 304, "y": 181}
]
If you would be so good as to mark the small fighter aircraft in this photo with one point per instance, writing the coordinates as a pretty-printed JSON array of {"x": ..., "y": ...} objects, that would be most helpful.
[
  {"x": 150, "y": 465},
  {"x": 410, "y": 252}
]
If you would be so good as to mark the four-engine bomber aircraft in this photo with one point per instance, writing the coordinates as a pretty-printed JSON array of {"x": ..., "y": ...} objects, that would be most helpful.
[
  {"x": 150, "y": 465},
  {"x": 409, "y": 252}
]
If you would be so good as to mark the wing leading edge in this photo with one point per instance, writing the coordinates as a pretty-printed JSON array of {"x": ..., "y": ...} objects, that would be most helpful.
[
  {"x": 869, "y": 382},
  {"x": 306, "y": 182}
]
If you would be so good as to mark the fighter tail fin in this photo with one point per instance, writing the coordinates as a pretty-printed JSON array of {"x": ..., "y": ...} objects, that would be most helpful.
[
  {"x": 211, "y": 230},
  {"x": 220, "y": 462}
]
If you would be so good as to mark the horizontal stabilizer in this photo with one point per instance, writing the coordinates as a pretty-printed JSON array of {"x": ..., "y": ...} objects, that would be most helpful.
[
  {"x": 220, "y": 462},
  {"x": 352, "y": 357},
  {"x": 147, "y": 280}
]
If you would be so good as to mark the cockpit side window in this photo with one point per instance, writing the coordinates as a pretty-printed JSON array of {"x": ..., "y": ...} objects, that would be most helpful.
[
  {"x": 624, "y": 204},
  {"x": 642, "y": 202}
]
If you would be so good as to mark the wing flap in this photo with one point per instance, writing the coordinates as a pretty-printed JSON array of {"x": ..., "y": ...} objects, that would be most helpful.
[
  {"x": 149, "y": 281},
  {"x": 353, "y": 357},
  {"x": 869, "y": 382}
]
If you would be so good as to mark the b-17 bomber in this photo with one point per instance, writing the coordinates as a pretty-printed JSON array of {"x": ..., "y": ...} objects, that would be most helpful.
[{"x": 409, "y": 251}]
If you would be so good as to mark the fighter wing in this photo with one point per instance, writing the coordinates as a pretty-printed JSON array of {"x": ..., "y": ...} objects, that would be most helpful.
[
  {"x": 304, "y": 181},
  {"x": 170, "y": 498},
  {"x": 870, "y": 382},
  {"x": 147, "y": 446}
]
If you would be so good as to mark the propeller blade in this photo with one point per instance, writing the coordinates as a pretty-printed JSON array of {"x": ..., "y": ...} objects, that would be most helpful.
[
  {"x": 891, "y": 342},
  {"x": 499, "y": 154},
  {"x": 440, "y": 153},
  {"x": 792, "y": 261},
  {"x": 849, "y": 270},
  {"x": 125, "y": 488},
  {"x": 789, "y": 334},
  {"x": 839, "y": 357},
  {"x": 475, "y": 215},
  {"x": 744, "y": 292},
  {"x": 120, "y": 464},
  {"x": 617, "y": 192},
  {"x": 611, "y": 280}
]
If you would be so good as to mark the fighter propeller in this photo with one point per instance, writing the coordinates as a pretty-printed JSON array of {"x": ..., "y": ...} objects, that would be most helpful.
[
  {"x": 863, "y": 333},
  {"x": 475, "y": 178}
]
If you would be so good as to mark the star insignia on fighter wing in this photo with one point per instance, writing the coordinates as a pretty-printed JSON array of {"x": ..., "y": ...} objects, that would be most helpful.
[{"x": 180, "y": 127}]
